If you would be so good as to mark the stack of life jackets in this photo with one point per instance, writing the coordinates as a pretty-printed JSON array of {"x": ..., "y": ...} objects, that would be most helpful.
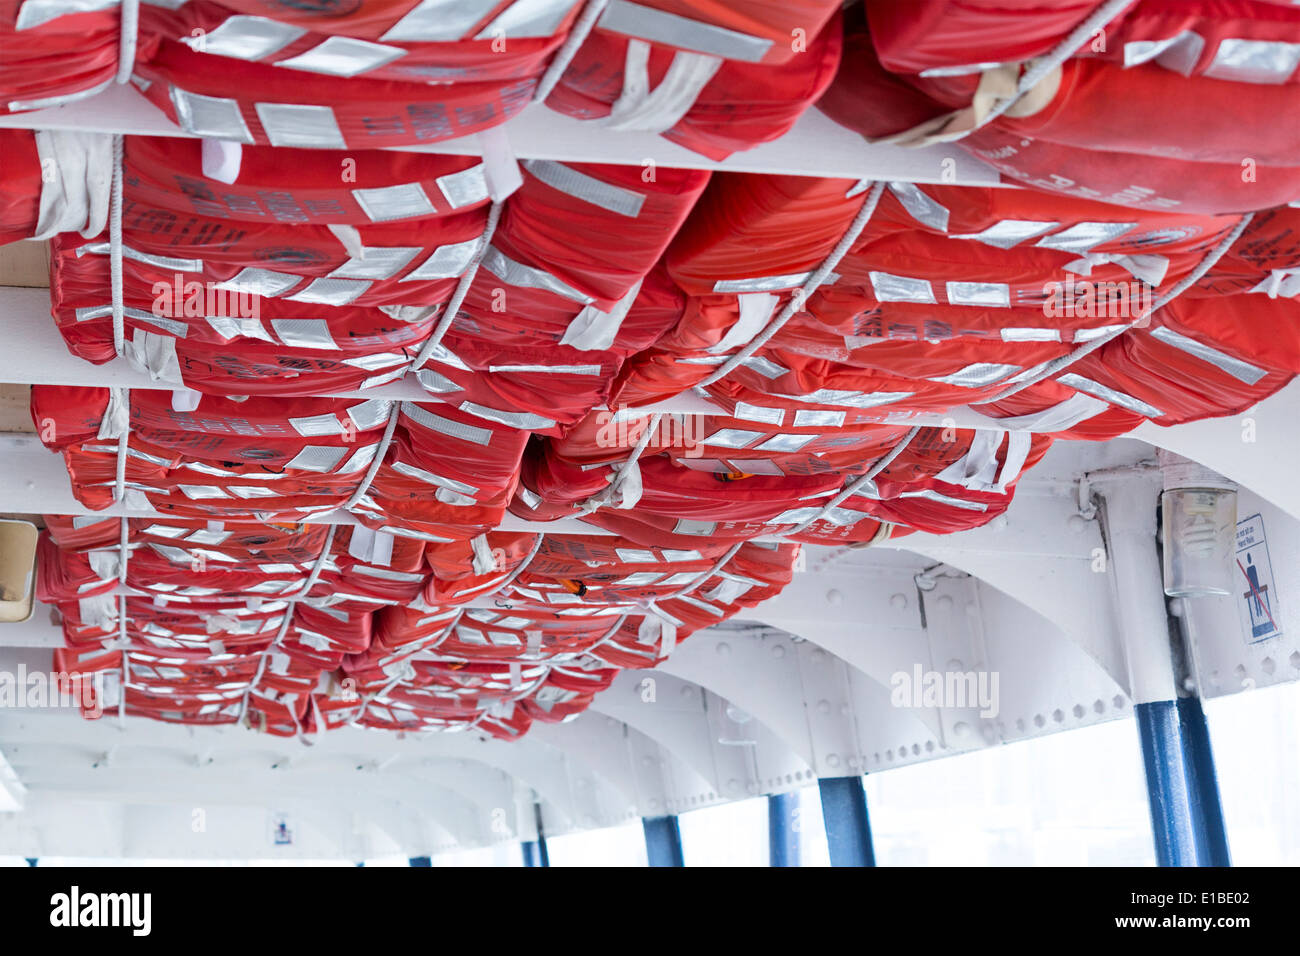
[{"x": 1175, "y": 105}]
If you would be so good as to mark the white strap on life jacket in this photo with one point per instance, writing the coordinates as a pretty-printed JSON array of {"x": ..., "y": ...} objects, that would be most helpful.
[{"x": 655, "y": 111}]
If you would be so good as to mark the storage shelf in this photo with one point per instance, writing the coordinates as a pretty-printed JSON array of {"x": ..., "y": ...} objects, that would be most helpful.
[{"x": 816, "y": 146}]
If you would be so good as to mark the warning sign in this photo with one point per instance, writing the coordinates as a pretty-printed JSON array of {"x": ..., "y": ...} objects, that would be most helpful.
[{"x": 1256, "y": 591}]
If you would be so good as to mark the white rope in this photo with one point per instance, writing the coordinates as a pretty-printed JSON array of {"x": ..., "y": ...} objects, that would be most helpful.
[
  {"x": 380, "y": 452},
  {"x": 1040, "y": 68},
  {"x": 462, "y": 290},
  {"x": 603, "y": 498},
  {"x": 568, "y": 50},
  {"x": 800, "y": 298},
  {"x": 291, "y": 603},
  {"x": 127, "y": 40},
  {"x": 1050, "y": 368},
  {"x": 881, "y": 464},
  {"x": 115, "y": 247}
]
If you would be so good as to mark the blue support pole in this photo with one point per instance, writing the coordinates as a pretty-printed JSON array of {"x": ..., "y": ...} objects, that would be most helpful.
[
  {"x": 535, "y": 852},
  {"x": 844, "y": 813},
  {"x": 31, "y": 860},
  {"x": 782, "y": 832},
  {"x": 1167, "y": 792},
  {"x": 1210, "y": 832},
  {"x": 419, "y": 861},
  {"x": 663, "y": 841}
]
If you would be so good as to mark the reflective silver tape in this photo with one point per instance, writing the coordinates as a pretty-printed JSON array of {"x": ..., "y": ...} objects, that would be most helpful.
[
  {"x": 702, "y": 605},
  {"x": 1106, "y": 393},
  {"x": 635, "y": 556},
  {"x": 765, "y": 367},
  {"x": 312, "y": 426},
  {"x": 1254, "y": 61},
  {"x": 200, "y": 492},
  {"x": 1087, "y": 335},
  {"x": 961, "y": 70},
  {"x": 931, "y": 495},
  {"x": 892, "y": 288},
  {"x": 786, "y": 443},
  {"x": 261, "y": 282},
  {"x": 976, "y": 375},
  {"x": 376, "y": 361},
  {"x": 386, "y": 203},
  {"x": 549, "y": 369},
  {"x": 304, "y": 333},
  {"x": 994, "y": 295},
  {"x": 1029, "y": 334},
  {"x": 174, "y": 263},
  {"x": 427, "y": 419},
  {"x": 849, "y": 398},
  {"x": 439, "y": 21},
  {"x": 419, "y": 474},
  {"x": 360, "y": 459},
  {"x": 1179, "y": 53},
  {"x": 622, "y": 16},
  {"x": 370, "y": 414},
  {"x": 1010, "y": 232},
  {"x": 217, "y": 117},
  {"x": 465, "y": 188},
  {"x": 1238, "y": 369},
  {"x": 516, "y": 273},
  {"x": 34, "y": 13},
  {"x": 298, "y": 124},
  {"x": 640, "y": 578},
  {"x": 332, "y": 291},
  {"x": 528, "y": 18},
  {"x": 757, "y": 413},
  {"x": 233, "y": 328},
  {"x": 245, "y": 38},
  {"x": 320, "y": 458},
  {"x": 685, "y": 526},
  {"x": 343, "y": 56},
  {"x": 763, "y": 283},
  {"x": 921, "y": 207},
  {"x": 206, "y": 536},
  {"x": 523, "y": 420},
  {"x": 616, "y": 199},
  {"x": 385, "y": 574},
  {"x": 436, "y": 382},
  {"x": 756, "y": 466},
  {"x": 1083, "y": 236},
  {"x": 817, "y": 418},
  {"x": 249, "y": 491},
  {"x": 381, "y": 262},
  {"x": 732, "y": 438},
  {"x": 446, "y": 262}
]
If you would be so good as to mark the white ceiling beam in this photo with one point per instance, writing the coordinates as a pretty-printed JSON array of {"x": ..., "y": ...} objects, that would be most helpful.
[{"x": 816, "y": 146}]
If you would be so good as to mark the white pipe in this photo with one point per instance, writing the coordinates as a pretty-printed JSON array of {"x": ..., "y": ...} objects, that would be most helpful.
[{"x": 1139, "y": 588}]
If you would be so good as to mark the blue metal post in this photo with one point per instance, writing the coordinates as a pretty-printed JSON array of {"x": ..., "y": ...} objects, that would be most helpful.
[
  {"x": 1210, "y": 832},
  {"x": 532, "y": 853},
  {"x": 782, "y": 832},
  {"x": 31, "y": 860},
  {"x": 663, "y": 841},
  {"x": 535, "y": 853},
  {"x": 419, "y": 861},
  {"x": 1162, "y": 756},
  {"x": 844, "y": 813}
]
